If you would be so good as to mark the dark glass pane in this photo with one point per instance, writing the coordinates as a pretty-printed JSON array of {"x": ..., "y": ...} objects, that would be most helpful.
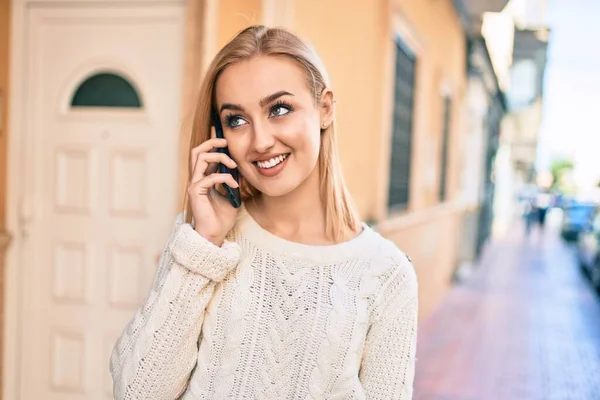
[
  {"x": 445, "y": 137},
  {"x": 398, "y": 195},
  {"x": 106, "y": 90}
]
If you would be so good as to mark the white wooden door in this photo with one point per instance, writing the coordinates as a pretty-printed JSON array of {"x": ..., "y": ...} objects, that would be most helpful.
[{"x": 103, "y": 119}]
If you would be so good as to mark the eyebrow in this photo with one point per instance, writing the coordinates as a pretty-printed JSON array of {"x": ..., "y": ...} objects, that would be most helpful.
[{"x": 269, "y": 99}]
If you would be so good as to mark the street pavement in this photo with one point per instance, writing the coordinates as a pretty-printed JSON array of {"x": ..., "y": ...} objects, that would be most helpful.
[{"x": 524, "y": 326}]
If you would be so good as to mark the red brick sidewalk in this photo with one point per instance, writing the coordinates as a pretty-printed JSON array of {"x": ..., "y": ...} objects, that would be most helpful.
[{"x": 526, "y": 326}]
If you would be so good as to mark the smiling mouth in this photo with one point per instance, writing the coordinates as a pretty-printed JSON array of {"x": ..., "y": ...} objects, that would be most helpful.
[{"x": 273, "y": 162}]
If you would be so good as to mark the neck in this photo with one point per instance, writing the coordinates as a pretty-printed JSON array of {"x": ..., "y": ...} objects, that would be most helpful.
[{"x": 297, "y": 216}]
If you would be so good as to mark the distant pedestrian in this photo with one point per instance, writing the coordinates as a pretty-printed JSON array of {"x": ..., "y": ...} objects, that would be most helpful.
[
  {"x": 543, "y": 201},
  {"x": 529, "y": 215}
]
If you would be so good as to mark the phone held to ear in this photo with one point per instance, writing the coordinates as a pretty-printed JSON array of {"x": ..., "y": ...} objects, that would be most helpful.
[{"x": 233, "y": 194}]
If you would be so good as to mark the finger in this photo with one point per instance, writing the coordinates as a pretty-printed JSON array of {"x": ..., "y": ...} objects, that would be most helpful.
[
  {"x": 207, "y": 163},
  {"x": 205, "y": 147},
  {"x": 203, "y": 186},
  {"x": 218, "y": 158},
  {"x": 204, "y": 159}
]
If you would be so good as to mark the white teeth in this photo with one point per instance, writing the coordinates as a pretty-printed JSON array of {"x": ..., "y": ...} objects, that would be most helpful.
[{"x": 272, "y": 162}]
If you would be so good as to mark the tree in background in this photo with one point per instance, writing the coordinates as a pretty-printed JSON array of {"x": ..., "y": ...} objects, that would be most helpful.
[{"x": 561, "y": 170}]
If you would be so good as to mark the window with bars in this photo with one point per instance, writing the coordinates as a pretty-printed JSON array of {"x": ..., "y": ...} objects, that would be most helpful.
[
  {"x": 445, "y": 138},
  {"x": 402, "y": 126}
]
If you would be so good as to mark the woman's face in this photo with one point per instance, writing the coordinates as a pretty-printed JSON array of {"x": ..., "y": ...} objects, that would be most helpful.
[{"x": 271, "y": 122}]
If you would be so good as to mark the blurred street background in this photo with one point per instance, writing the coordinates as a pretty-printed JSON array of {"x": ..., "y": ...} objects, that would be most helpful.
[
  {"x": 468, "y": 136},
  {"x": 523, "y": 326}
]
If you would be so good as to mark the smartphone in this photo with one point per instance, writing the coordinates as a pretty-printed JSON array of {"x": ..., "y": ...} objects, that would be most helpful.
[{"x": 233, "y": 194}]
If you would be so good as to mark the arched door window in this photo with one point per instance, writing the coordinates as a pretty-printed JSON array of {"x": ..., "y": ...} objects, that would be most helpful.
[{"x": 106, "y": 89}]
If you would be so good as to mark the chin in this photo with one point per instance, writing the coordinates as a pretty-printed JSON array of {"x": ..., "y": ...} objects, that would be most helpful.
[{"x": 276, "y": 190}]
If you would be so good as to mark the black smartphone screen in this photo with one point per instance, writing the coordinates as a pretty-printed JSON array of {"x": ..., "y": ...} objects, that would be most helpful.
[{"x": 233, "y": 194}]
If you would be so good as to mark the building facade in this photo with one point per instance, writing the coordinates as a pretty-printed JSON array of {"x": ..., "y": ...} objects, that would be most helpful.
[
  {"x": 485, "y": 106},
  {"x": 525, "y": 23}
]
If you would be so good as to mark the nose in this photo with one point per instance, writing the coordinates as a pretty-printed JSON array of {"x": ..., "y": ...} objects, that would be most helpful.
[{"x": 263, "y": 139}]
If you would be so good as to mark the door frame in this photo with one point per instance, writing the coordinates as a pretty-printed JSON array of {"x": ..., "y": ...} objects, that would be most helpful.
[{"x": 199, "y": 42}]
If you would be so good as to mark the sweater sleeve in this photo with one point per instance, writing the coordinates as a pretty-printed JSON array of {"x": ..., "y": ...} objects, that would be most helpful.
[
  {"x": 388, "y": 364},
  {"x": 157, "y": 351}
]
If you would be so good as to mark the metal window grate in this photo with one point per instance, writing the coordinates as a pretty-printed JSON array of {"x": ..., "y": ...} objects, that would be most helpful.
[
  {"x": 404, "y": 90},
  {"x": 445, "y": 138}
]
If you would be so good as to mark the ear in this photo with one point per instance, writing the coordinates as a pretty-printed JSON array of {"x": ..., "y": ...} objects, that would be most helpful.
[{"x": 326, "y": 108}]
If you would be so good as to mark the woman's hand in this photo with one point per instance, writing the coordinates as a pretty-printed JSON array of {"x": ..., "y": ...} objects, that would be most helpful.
[{"x": 214, "y": 216}]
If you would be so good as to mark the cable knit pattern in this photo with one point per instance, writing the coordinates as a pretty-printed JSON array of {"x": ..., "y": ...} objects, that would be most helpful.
[
  {"x": 193, "y": 251},
  {"x": 265, "y": 318}
]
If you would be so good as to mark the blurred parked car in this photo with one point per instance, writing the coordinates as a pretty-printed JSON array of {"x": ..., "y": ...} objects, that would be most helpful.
[
  {"x": 576, "y": 218},
  {"x": 588, "y": 246}
]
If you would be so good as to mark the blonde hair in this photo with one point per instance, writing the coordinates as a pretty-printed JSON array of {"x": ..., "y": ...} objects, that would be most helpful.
[{"x": 341, "y": 216}]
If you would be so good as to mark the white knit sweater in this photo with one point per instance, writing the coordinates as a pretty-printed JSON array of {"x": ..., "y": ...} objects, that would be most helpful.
[{"x": 265, "y": 318}]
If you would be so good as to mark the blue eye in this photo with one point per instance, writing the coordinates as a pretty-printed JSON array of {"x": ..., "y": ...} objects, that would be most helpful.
[
  {"x": 280, "y": 109},
  {"x": 234, "y": 121}
]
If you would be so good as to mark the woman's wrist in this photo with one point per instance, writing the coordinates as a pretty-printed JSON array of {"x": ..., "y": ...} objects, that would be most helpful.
[
  {"x": 214, "y": 239},
  {"x": 212, "y": 259}
]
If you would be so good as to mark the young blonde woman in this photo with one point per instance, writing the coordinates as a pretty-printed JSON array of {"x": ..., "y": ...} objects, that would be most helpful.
[{"x": 289, "y": 296}]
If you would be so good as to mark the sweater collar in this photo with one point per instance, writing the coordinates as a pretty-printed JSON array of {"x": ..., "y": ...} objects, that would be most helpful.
[{"x": 362, "y": 244}]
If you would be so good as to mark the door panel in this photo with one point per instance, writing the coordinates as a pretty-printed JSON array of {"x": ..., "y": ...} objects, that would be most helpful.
[{"x": 104, "y": 184}]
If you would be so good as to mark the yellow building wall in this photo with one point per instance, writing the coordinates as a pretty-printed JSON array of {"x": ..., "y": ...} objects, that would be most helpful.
[
  {"x": 352, "y": 42},
  {"x": 429, "y": 231},
  {"x": 235, "y": 15},
  {"x": 441, "y": 62}
]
